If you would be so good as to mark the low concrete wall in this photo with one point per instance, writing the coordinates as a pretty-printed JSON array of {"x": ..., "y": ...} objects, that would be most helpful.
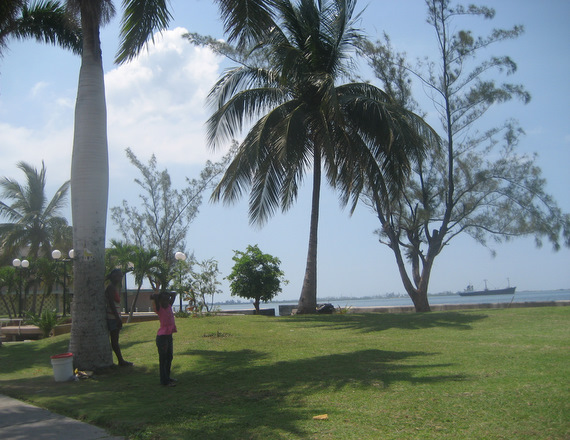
[
  {"x": 62, "y": 329},
  {"x": 140, "y": 317},
  {"x": 287, "y": 310},
  {"x": 19, "y": 333},
  {"x": 264, "y": 312},
  {"x": 447, "y": 307}
]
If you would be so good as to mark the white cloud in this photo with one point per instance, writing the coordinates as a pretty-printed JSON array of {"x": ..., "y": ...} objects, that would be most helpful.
[
  {"x": 37, "y": 89},
  {"x": 32, "y": 146},
  {"x": 156, "y": 103}
]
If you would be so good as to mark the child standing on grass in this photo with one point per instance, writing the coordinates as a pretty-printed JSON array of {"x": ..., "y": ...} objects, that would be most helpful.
[{"x": 163, "y": 308}]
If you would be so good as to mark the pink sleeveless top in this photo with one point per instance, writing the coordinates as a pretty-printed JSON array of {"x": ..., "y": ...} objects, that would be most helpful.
[{"x": 166, "y": 317}]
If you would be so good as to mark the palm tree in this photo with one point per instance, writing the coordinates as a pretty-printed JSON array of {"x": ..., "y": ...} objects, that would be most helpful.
[
  {"x": 33, "y": 221},
  {"x": 146, "y": 264},
  {"x": 90, "y": 169},
  {"x": 46, "y": 21},
  {"x": 302, "y": 119},
  {"x": 120, "y": 255}
]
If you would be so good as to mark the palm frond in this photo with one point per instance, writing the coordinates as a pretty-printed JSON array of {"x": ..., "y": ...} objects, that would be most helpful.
[
  {"x": 29, "y": 216},
  {"x": 247, "y": 22},
  {"x": 141, "y": 19},
  {"x": 245, "y": 106},
  {"x": 48, "y": 22},
  {"x": 58, "y": 201},
  {"x": 238, "y": 79}
]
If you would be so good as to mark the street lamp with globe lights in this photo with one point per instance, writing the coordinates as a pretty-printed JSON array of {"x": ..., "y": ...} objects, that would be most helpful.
[
  {"x": 180, "y": 256},
  {"x": 20, "y": 265},
  {"x": 56, "y": 255}
]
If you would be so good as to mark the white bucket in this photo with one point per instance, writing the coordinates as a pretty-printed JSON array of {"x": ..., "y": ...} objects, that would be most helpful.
[{"x": 62, "y": 367}]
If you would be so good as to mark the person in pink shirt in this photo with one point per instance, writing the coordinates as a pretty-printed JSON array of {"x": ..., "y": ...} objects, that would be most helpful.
[{"x": 163, "y": 308}]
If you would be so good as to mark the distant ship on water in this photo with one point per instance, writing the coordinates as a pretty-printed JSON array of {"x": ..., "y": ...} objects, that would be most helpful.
[{"x": 469, "y": 291}]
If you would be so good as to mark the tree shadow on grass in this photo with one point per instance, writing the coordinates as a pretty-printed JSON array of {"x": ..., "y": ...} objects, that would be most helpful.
[
  {"x": 228, "y": 394},
  {"x": 17, "y": 356},
  {"x": 36, "y": 354},
  {"x": 275, "y": 401},
  {"x": 376, "y": 322}
]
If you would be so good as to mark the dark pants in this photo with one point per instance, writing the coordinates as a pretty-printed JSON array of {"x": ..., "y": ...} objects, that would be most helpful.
[{"x": 165, "y": 354}]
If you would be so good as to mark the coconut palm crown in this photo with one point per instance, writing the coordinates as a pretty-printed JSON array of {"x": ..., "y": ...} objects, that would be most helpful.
[
  {"x": 32, "y": 221},
  {"x": 301, "y": 120}
]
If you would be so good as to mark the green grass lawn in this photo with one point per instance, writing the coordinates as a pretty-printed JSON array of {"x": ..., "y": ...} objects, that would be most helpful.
[{"x": 482, "y": 374}]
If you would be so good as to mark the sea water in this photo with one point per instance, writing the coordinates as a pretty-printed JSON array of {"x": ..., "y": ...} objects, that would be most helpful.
[{"x": 523, "y": 296}]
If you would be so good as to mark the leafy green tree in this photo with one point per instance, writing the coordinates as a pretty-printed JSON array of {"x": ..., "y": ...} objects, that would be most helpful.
[
  {"x": 163, "y": 215},
  {"x": 46, "y": 321},
  {"x": 301, "y": 120},
  {"x": 477, "y": 183},
  {"x": 255, "y": 276},
  {"x": 120, "y": 255},
  {"x": 142, "y": 263},
  {"x": 146, "y": 264},
  {"x": 46, "y": 274},
  {"x": 205, "y": 283},
  {"x": 90, "y": 166},
  {"x": 33, "y": 221},
  {"x": 62, "y": 235},
  {"x": 46, "y": 21}
]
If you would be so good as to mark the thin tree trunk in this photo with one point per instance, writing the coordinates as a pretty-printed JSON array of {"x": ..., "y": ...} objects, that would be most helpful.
[
  {"x": 35, "y": 299},
  {"x": 89, "y": 192},
  {"x": 46, "y": 293},
  {"x": 134, "y": 304},
  {"x": 420, "y": 300},
  {"x": 9, "y": 305},
  {"x": 308, "y": 300},
  {"x": 417, "y": 295}
]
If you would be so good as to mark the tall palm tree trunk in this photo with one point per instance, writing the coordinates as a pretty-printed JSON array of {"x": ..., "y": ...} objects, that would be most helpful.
[
  {"x": 308, "y": 300},
  {"x": 89, "y": 192}
]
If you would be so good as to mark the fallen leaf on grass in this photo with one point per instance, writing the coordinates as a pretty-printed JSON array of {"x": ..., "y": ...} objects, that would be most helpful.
[{"x": 321, "y": 417}]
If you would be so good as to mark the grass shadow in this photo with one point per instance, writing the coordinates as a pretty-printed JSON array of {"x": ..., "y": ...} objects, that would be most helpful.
[
  {"x": 377, "y": 322},
  {"x": 252, "y": 392},
  {"x": 30, "y": 354},
  {"x": 223, "y": 383}
]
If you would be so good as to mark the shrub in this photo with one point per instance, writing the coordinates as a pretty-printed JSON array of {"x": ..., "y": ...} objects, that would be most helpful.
[{"x": 46, "y": 321}]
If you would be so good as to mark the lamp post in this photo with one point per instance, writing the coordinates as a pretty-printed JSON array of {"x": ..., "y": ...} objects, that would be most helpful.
[
  {"x": 56, "y": 255},
  {"x": 180, "y": 256},
  {"x": 20, "y": 264}
]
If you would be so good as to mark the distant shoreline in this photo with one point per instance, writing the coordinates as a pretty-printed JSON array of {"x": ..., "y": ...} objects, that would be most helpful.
[{"x": 370, "y": 297}]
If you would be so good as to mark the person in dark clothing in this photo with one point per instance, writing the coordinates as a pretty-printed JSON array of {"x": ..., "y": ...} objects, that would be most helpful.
[{"x": 114, "y": 321}]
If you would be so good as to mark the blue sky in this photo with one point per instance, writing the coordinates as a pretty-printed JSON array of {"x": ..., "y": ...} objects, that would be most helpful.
[{"x": 156, "y": 105}]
